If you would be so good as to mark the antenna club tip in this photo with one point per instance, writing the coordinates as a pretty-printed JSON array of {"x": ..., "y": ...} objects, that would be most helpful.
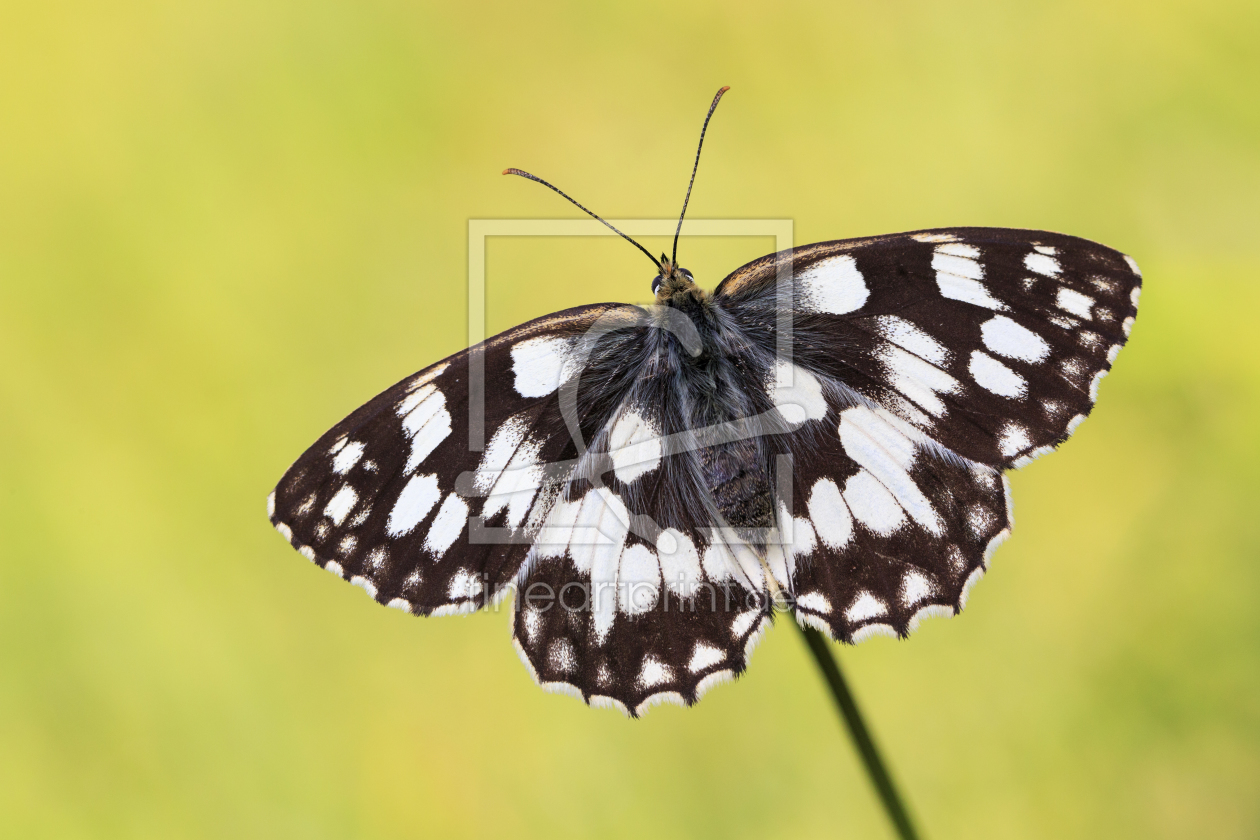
[{"x": 724, "y": 89}]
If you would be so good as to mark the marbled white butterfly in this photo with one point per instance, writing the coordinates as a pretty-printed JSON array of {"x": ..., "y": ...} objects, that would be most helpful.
[{"x": 826, "y": 431}]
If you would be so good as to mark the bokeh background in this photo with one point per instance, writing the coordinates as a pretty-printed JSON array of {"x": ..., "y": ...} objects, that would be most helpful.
[{"x": 224, "y": 225}]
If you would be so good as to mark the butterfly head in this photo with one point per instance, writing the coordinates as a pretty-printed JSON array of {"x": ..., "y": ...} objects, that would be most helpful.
[{"x": 672, "y": 281}]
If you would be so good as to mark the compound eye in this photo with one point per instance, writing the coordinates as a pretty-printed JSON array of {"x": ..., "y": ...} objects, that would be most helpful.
[{"x": 656, "y": 283}]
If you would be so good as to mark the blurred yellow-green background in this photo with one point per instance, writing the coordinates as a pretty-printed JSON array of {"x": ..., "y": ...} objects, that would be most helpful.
[{"x": 224, "y": 225}]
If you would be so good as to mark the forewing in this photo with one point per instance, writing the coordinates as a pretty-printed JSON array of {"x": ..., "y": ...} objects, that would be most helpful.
[{"x": 384, "y": 498}]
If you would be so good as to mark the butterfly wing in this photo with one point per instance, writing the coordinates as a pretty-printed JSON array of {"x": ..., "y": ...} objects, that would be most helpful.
[
  {"x": 384, "y": 498},
  {"x": 943, "y": 357}
]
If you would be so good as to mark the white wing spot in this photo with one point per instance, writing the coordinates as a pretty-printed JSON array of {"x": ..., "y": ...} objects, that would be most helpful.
[
  {"x": 980, "y": 519},
  {"x": 599, "y": 533},
  {"x": 833, "y": 286},
  {"x": 744, "y": 622},
  {"x": 426, "y": 421},
  {"x": 796, "y": 393},
  {"x": 888, "y": 454},
  {"x": 347, "y": 457},
  {"x": 909, "y": 337},
  {"x": 1012, "y": 340},
  {"x": 413, "y": 505},
  {"x": 915, "y": 588},
  {"x": 447, "y": 525},
  {"x": 1043, "y": 264},
  {"x": 948, "y": 260},
  {"x": 958, "y": 276},
  {"x": 966, "y": 290},
  {"x": 503, "y": 444},
  {"x": 872, "y": 504},
  {"x": 919, "y": 380},
  {"x": 509, "y": 473},
  {"x": 1013, "y": 439},
  {"x": 815, "y": 602},
  {"x": 1075, "y": 303},
  {"x": 539, "y": 365},
  {"x": 422, "y": 379},
  {"x": 1104, "y": 284},
  {"x": 638, "y": 580},
  {"x": 832, "y": 520},
  {"x": 959, "y": 249},
  {"x": 561, "y": 657},
  {"x": 705, "y": 656},
  {"x": 340, "y": 505},
  {"x": 464, "y": 585},
  {"x": 865, "y": 606},
  {"x": 1089, "y": 339},
  {"x": 1045, "y": 249},
  {"x": 532, "y": 619},
  {"x": 517, "y": 485},
  {"x": 654, "y": 672},
  {"x": 601, "y": 526},
  {"x": 680, "y": 562},
  {"x": 1134, "y": 266},
  {"x": 1127, "y": 326},
  {"x": 995, "y": 377}
]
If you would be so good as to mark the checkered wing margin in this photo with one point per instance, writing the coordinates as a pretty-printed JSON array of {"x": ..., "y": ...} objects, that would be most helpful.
[{"x": 924, "y": 364}]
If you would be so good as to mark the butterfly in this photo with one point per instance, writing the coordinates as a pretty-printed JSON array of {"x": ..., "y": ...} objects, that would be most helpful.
[{"x": 825, "y": 433}]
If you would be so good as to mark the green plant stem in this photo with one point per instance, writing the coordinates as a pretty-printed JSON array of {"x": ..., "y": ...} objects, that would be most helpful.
[{"x": 875, "y": 767}]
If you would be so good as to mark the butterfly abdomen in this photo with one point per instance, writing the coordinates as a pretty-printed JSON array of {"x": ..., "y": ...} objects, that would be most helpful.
[
  {"x": 736, "y": 476},
  {"x": 733, "y": 471}
]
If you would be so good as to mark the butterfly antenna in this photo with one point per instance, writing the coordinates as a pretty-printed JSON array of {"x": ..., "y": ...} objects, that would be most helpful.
[
  {"x": 525, "y": 174},
  {"x": 707, "y": 117}
]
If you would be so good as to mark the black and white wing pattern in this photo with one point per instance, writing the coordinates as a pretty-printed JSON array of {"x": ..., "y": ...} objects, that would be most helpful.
[
  {"x": 932, "y": 361},
  {"x": 379, "y": 498},
  {"x": 626, "y": 596},
  {"x": 654, "y": 481}
]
